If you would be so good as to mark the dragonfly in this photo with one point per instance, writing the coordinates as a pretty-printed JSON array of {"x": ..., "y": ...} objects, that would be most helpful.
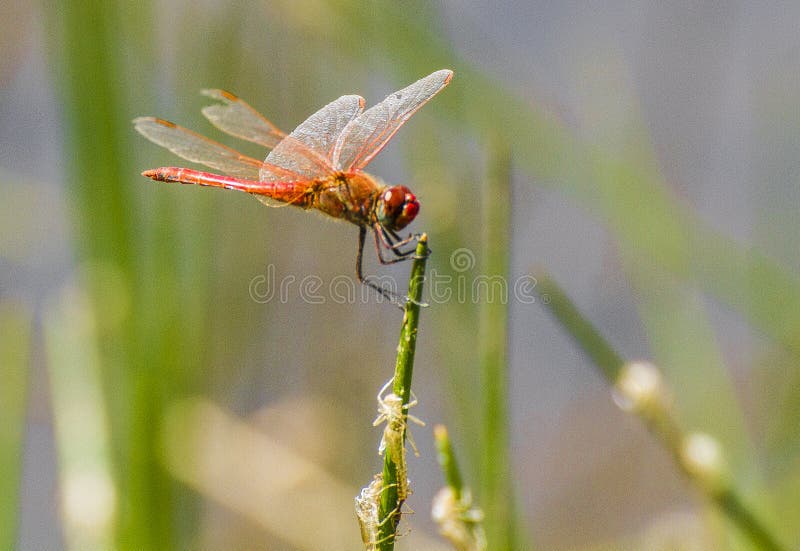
[{"x": 320, "y": 165}]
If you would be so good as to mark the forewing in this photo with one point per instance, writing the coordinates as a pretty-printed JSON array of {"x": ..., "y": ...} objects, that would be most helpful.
[
  {"x": 199, "y": 149},
  {"x": 366, "y": 135},
  {"x": 237, "y": 118},
  {"x": 308, "y": 149}
]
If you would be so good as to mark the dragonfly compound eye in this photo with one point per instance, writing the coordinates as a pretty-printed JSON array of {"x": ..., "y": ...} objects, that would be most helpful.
[{"x": 397, "y": 207}]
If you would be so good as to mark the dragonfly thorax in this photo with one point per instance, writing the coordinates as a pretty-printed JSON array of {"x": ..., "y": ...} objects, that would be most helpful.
[{"x": 396, "y": 207}]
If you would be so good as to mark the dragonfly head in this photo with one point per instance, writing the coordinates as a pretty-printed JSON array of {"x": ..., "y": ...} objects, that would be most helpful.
[{"x": 396, "y": 207}]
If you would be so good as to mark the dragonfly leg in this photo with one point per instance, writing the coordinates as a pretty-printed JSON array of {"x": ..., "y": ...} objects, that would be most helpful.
[
  {"x": 394, "y": 246},
  {"x": 392, "y": 297},
  {"x": 412, "y": 237},
  {"x": 384, "y": 241},
  {"x": 387, "y": 241}
]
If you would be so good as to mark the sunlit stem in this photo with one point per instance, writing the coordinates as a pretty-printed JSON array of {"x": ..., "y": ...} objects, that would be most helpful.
[{"x": 394, "y": 455}]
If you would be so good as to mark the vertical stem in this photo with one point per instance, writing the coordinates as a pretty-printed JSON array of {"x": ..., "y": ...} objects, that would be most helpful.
[
  {"x": 460, "y": 521},
  {"x": 91, "y": 82},
  {"x": 497, "y": 493},
  {"x": 15, "y": 337},
  {"x": 447, "y": 459},
  {"x": 404, "y": 367},
  {"x": 89, "y": 499}
]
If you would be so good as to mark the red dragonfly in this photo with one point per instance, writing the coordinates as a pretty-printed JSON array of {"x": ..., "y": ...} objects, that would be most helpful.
[{"x": 318, "y": 166}]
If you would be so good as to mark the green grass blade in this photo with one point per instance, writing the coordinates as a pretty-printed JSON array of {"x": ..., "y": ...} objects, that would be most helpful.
[
  {"x": 497, "y": 487},
  {"x": 88, "y": 493},
  {"x": 15, "y": 341},
  {"x": 447, "y": 459},
  {"x": 459, "y": 519},
  {"x": 594, "y": 345}
]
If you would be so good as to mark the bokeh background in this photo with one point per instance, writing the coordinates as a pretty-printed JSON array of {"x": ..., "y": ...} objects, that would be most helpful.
[{"x": 646, "y": 155}]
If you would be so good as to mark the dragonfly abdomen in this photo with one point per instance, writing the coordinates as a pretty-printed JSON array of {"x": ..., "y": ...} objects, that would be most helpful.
[{"x": 284, "y": 192}]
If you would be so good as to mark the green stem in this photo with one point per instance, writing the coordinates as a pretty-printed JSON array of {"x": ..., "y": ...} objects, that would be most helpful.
[
  {"x": 389, "y": 510},
  {"x": 660, "y": 420},
  {"x": 496, "y": 489},
  {"x": 584, "y": 333},
  {"x": 447, "y": 459},
  {"x": 730, "y": 502},
  {"x": 15, "y": 342},
  {"x": 459, "y": 520}
]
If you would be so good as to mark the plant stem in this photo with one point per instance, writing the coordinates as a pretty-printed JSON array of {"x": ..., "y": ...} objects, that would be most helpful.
[
  {"x": 659, "y": 417},
  {"x": 390, "y": 504},
  {"x": 447, "y": 459},
  {"x": 496, "y": 489},
  {"x": 15, "y": 342},
  {"x": 459, "y": 520},
  {"x": 584, "y": 333},
  {"x": 729, "y": 501}
]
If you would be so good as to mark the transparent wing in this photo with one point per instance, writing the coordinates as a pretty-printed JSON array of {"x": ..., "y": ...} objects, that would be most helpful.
[
  {"x": 199, "y": 149},
  {"x": 237, "y": 118},
  {"x": 308, "y": 149},
  {"x": 367, "y": 134}
]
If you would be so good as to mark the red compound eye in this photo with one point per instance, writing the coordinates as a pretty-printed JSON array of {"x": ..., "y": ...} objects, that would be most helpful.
[{"x": 397, "y": 207}]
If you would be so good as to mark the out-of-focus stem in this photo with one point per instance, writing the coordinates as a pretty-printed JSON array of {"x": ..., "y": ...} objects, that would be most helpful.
[
  {"x": 496, "y": 488},
  {"x": 15, "y": 336},
  {"x": 447, "y": 459},
  {"x": 459, "y": 520},
  {"x": 640, "y": 390},
  {"x": 584, "y": 333}
]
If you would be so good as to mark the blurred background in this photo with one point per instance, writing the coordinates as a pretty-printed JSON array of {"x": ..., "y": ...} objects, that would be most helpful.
[{"x": 154, "y": 395}]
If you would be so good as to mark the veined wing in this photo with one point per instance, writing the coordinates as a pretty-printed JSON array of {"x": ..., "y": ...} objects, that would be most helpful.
[
  {"x": 308, "y": 149},
  {"x": 238, "y": 118},
  {"x": 199, "y": 149},
  {"x": 366, "y": 135}
]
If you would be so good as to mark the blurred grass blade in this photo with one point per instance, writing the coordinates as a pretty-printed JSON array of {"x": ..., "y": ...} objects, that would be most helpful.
[
  {"x": 447, "y": 459},
  {"x": 15, "y": 342},
  {"x": 89, "y": 72},
  {"x": 459, "y": 520},
  {"x": 237, "y": 465},
  {"x": 154, "y": 350},
  {"x": 648, "y": 398},
  {"x": 585, "y": 335},
  {"x": 86, "y": 55},
  {"x": 87, "y": 488},
  {"x": 497, "y": 488}
]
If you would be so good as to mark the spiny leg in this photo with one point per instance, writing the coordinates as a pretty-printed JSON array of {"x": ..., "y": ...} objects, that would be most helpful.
[
  {"x": 412, "y": 237},
  {"x": 392, "y": 297},
  {"x": 402, "y": 255},
  {"x": 405, "y": 255},
  {"x": 393, "y": 241},
  {"x": 383, "y": 240}
]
